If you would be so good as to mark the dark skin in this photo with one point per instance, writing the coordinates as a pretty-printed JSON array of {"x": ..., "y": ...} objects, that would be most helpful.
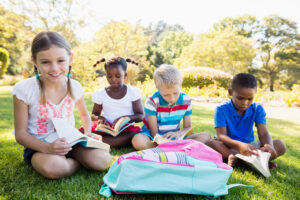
[
  {"x": 117, "y": 90},
  {"x": 242, "y": 98}
]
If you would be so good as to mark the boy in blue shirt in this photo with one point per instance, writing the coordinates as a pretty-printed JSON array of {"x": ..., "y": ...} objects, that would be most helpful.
[{"x": 234, "y": 122}]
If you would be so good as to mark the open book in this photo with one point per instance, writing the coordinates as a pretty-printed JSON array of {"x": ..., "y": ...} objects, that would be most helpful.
[
  {"x": 119, "y": 127},
  {"x": 73, "y": 136},
  {"x": 259, "y": 163},
  {"x": 159, "y": 139}
]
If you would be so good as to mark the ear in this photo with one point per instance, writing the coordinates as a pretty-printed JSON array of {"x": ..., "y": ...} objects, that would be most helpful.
[
  {"x": 125, "y": 75},
  {"x": 230, "y": 91}
]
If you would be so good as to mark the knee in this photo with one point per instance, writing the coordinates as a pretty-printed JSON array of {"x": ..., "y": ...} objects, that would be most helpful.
[
  {"x": 279, "y": 147},
  {"x": 100, "y": 160},
  {"x": 55, "y": 170},
  {"x": 140, "y": 144},
  {"x": 205, "y": 137}
]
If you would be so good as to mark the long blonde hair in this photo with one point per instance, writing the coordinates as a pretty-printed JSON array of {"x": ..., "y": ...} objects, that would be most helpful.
[{"x": 43, "y": 41}]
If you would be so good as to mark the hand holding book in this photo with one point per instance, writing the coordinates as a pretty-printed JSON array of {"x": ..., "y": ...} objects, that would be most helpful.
[
  {"x": 59, "y": 147},
  {"x": 168, "y": 137},
  {"x": 270, "y": 149},
  {"x": 120, "y": 124},
  {"x": 99, "y": 119},
  {"x": 247, "y": 149}
]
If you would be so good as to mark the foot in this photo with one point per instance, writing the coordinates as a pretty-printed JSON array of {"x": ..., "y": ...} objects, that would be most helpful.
[
  {"x": 232, "y": 160},
  {"x": 272, "y": 165}
]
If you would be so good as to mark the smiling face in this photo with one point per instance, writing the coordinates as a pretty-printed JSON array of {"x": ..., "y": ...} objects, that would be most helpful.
[
  {"x": 115, "y": 75},
  {"x": 53, "y": 63},
  {"x": 242, "y": 98},
  {"x": 169, "y": 94}
]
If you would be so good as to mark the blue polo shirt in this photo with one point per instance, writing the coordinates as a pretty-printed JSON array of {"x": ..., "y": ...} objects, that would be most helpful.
[{"x": 239, "y": 127}]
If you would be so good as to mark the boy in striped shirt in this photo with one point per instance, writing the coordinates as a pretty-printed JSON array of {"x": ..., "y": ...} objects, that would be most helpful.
[{"x": 165, "y": 109}]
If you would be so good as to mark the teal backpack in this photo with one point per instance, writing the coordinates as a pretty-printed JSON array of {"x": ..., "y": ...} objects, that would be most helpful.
[{"x": 179, "y": 167}]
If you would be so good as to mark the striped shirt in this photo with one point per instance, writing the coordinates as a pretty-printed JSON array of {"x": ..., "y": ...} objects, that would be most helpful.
[{"x": 168, "y": 116}]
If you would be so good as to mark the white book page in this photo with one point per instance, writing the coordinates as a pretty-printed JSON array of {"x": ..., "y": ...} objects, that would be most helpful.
[
  {"x": 264, "y": 160},
  {"x": 64, "y": 129}
]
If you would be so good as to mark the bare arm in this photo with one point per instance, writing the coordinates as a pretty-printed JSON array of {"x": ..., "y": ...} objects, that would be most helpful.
[
  {"x": 138, "y": 111},
  {"x": 152, "y": 122},
  {"x": 266, "y": 140},
  {"x": 59, "y": 146},
  {"x": 178, "y": 134},
  {"x": 244, "y": 148},
  {"x": 84, "y": 115}
]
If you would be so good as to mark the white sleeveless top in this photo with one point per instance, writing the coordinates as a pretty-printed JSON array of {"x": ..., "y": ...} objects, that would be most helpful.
[
  {"x": 115, "y": 108},
  {"x": 39, "y": 116}
]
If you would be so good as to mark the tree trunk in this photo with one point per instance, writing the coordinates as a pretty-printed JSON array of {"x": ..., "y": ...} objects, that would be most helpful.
[{"x": 272, "y": 80}]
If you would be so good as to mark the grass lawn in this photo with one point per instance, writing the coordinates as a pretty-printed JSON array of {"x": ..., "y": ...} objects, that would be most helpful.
[{"x": 20, "y": 181}]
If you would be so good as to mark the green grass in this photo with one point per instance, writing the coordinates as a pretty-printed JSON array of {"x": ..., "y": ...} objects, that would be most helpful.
[{"x": 20, "y": 181}]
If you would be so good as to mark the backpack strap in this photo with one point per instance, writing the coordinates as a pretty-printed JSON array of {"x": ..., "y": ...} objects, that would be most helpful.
[
  {"x": 238, "y": 185},
  {"x": 105, "y": 191}
]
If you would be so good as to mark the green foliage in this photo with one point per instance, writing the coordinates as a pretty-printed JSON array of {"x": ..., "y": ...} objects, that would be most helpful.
[
  {"x": 157, "y": 32},
  {"x": 147, "y": 87},
  {"x": 15, "y": 37},
  {"x": 212, "y": 92},
  {"x": 204, "y": 76},
  {"x": 221, "y": 50},
  {"x": 4, "y": 61},
  {"x": 114, "y": 39},
  {"x": 279, "y": 47},
  {"x": 170, "y": 47},
  {"x": 244, "y": 25}
]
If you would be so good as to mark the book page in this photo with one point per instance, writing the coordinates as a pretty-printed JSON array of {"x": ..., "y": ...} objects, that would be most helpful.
[
  {"x": 121, "y": 122},
  {"x": 64, "y": 129}
]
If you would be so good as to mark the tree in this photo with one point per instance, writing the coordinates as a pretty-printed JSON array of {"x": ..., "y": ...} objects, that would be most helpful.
[
  {"x": 244, "y": 25},
  {"x": 277, "y": 37},
  {"x": 157, "y": 32},
  {"x": 289, "y": 60},
  {"x": 4, "y": 59},
  {"x": 222, "y": 50},
  {"x": 114, "y": 39},
  {"x": 15, "y": 37},
  {"x": 170, "y": 47},
  {"x": 54, "y": 15}
]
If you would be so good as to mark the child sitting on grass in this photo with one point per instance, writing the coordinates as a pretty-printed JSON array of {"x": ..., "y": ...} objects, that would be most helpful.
[
  {"x": 116, "y": 101},
  {"x": 234, "y": 122},
  {"x": 165, "y": 109},
  {"x": 52, "y": 94}
]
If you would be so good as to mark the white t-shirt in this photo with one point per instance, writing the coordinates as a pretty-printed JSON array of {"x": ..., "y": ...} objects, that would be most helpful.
[
  {"x": 115, "y": 108},
  {"x": 39, "y": 116}
]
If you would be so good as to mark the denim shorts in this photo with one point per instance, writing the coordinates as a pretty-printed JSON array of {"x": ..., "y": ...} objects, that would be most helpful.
[{"x": 28, "y": 153}]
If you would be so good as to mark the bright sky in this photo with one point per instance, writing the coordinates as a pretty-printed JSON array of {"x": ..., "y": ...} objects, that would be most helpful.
[{"x": 196, "y": 16}]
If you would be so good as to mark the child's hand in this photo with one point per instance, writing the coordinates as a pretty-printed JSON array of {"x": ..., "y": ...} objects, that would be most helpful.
[
  {"x": 102, "y": 120},
  {"x": 248, "y": 150},
  {"x": 94, "y": 136},
  {"x": 94, "y": 117},
  {"x": 270, "y": 149},
  {"x": 171, "y": 135},
  {"x": 60, "y": 147}
]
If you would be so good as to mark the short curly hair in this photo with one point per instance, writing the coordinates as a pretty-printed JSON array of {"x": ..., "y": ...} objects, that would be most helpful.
[{"x": 243, "y": 80}]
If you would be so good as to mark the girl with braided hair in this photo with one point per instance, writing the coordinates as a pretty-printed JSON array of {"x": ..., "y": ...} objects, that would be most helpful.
[
  {"x": 117, "y": 100},
  {"x": 52, "y": 94}
]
